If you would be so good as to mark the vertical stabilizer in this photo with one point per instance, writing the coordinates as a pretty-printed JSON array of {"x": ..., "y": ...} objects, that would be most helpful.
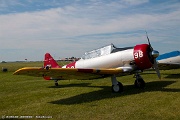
[{"x": 50, "y": 62}]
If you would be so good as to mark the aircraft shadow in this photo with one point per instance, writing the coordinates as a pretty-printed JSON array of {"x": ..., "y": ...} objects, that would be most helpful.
[
  {"x": 174, "y": 76},
  {"x": 106, "y": 93},
  {"x": 71, "y": 85},
  {"x": 166, "y": 75}
]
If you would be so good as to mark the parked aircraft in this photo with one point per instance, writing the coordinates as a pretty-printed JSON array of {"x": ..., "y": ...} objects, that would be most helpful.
[
  {"x": 102, "y": 62},
  {"x": 170, "y": 60}
]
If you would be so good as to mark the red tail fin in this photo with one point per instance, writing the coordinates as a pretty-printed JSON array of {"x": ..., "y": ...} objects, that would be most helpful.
[{"x": 50, "y": 62}]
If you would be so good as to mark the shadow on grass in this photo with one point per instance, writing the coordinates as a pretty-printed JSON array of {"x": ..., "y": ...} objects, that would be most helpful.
[
  {"x": 167, "y": 75},
  {"x": 105, "y": 92},
  {"x": 71, "y": 85},
  {"x": 174, "y": 76}
]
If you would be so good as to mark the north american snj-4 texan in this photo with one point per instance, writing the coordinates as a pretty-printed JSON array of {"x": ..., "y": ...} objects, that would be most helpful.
[{"x": 103, "y": 62}]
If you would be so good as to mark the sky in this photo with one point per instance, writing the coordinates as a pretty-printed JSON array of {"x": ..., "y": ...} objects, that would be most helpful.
[{"x": 66, "y": 28}]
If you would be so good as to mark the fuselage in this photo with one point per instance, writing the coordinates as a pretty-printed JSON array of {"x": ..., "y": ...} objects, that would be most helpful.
[
  {"x": 139, "y": 57},
  {"x": 171, "y": 58},
  {"x": 113, "y": 60}
]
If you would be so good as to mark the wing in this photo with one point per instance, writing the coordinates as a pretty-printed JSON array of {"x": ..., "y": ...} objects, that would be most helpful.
[{"x": 67, "y": 73}]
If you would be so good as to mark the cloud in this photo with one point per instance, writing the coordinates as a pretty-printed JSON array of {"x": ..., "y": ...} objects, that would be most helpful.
[
  {"x": 134, "y": 2},
  {"x": 79, "y": 27}
]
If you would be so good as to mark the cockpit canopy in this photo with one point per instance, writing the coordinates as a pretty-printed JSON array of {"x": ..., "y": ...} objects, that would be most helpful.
[{"x": 106, "y": 50}]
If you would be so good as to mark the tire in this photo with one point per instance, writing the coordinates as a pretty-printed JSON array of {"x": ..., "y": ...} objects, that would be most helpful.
[
  {"x": 56, "y": 84},
  {"x": 117, "y": 88},
  {"x": 139, "y": 83}
]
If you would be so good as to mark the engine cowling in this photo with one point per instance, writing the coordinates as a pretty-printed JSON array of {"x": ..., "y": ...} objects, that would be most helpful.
[{"x": 142, "y": 56}]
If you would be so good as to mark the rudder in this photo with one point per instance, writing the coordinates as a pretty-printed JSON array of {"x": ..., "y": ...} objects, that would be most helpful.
[{"x": 50, "y": 62}]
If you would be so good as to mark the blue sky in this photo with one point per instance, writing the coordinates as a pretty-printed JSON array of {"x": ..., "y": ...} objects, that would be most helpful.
[{"x": 66, "y": 28}]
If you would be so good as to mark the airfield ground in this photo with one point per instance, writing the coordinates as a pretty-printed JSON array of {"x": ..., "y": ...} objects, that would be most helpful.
[{"x": 24, "y": 96}]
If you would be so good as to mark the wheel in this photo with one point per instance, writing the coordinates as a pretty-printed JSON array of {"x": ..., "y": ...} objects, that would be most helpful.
[
  {"x": 56, "y": 84},
  {"x": 139, "y": 83},
  {"x": 47, "y": 67},
  {"x": 117, "y": 88}
]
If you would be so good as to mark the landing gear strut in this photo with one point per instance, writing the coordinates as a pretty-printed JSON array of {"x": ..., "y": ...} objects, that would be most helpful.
[
  {"x": 117, "y": 87},
  {"x": 139, "y": 82}
]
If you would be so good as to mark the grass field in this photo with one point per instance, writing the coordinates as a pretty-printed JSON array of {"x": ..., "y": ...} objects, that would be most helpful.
[{"x": 24, "y": 96}]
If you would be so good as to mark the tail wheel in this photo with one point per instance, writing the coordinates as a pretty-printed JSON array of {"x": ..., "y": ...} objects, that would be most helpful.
[
  {"x": 117, "y": 88},
  {"x": 139, "y": 83},
  {"x": 56, "y": 82}
]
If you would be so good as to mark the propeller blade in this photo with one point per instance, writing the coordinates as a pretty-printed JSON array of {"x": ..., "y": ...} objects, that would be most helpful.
[
  {"x": 149, "y": 41},
  {"x": 155, "y": 66},
  {"x": 148, "y": 38}
]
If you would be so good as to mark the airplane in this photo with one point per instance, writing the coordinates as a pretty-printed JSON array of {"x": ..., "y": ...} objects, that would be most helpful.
[
  {"x": 108, "y": 61},
  {"x": 170, "y": 60}
]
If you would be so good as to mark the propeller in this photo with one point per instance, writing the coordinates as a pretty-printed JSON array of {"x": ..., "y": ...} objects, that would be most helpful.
[
  {"x": 154, "y": 54},
  {"x": 148, "y": 39},
  {"x": 155, "y": 66}
]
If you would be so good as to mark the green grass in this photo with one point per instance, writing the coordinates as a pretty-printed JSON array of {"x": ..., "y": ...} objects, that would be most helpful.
[{"x": 89, "y": 99}]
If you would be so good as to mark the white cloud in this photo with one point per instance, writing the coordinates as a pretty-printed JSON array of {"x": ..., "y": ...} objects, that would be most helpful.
[
  {"x": 79, "y": 27},
  {"x": 134, "y": 2}
]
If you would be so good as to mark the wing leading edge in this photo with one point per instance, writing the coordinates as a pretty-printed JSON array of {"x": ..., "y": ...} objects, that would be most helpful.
[{"x": 67, "y": 73}]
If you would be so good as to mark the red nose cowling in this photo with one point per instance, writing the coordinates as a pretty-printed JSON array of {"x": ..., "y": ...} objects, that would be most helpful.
[{"x": 142, "y": 56}]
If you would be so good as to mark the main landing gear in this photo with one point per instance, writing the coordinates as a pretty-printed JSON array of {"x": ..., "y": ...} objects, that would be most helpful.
[
  {"x": 117, "y": 87},
  {"x": 139, "y": 82}
]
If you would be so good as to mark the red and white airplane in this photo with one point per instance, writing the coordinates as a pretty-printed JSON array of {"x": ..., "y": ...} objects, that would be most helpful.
[{"x": 102, "y": 62}]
